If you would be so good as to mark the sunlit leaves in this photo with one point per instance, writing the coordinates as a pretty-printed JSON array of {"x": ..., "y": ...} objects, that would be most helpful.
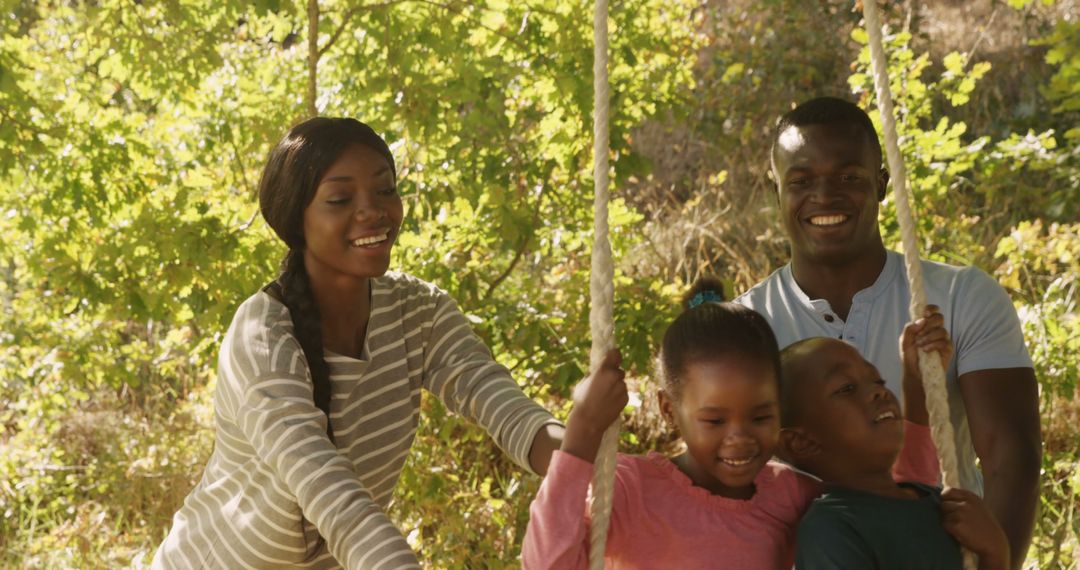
[
  {"x": 133, "y": 135},
  {"x": 954, "y": 177},
  {"x": 1064, "y": 54}
]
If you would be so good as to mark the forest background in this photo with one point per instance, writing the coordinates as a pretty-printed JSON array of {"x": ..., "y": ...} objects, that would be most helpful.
[{"x": 132, "y": 134}]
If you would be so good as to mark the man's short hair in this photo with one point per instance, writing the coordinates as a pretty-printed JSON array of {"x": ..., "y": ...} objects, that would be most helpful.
[{"x": 826, "y": 111}]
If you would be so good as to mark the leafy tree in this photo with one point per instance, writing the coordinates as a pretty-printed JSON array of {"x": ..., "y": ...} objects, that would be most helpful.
[
  {"x": 137, "y": 132},
  {"x": 132, "y": 135}
]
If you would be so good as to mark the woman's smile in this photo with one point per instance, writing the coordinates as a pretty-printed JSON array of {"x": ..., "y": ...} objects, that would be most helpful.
[{"x": 374, "y": 240}]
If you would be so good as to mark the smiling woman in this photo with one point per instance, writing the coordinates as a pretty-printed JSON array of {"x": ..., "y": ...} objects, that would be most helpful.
[
  {"x": 353, "y": 218},
  {"x": 320, "y": 373}
]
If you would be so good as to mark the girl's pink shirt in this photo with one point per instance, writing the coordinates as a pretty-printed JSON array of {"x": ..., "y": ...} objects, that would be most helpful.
[{"x": 659, "y": 519}]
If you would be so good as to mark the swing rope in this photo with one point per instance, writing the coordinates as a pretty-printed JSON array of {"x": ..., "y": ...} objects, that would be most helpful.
[
  {"x": 602, "y": 275},
  {"x": 937, "y": 403},
  {"x": 601, "y": 287}
]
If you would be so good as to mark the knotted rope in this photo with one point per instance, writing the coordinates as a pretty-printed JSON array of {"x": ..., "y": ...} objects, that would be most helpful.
[
  {"x": 601, "y": 287},
  {"x": 937, "y": 397}
]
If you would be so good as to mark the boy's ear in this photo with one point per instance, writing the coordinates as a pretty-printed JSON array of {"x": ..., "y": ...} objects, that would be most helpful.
[{"x": 797, "y": 444}]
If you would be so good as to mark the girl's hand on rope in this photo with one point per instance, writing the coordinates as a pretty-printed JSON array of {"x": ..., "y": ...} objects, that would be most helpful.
[
  {"x": 965, "y": 516},
  {"x": 598, "y": 401},
  {"x": 927, "y": 335}
]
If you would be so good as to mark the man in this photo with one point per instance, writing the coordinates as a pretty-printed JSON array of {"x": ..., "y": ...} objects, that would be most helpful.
[{"x": 843, "y": 283}]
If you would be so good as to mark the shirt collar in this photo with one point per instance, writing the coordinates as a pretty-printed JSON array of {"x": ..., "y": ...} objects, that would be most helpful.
[{"x": 893, "y": 262}]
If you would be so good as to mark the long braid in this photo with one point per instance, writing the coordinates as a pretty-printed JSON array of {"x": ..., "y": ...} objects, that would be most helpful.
[
  {"x": 288, "y": 185},
  {"x": 307, "y": 326}
]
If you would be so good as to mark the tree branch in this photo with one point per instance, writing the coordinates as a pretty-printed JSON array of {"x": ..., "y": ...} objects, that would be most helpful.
[
  {"x": 348, "y": 16},
  {"x": 461, "y": 12},
  {"x": 982, "y": 36},
  {"x": 313, "y": 57},
  {"x": 244, "y": 226},
  {"x": 449, "y": 6},
  {"x": 240, "y": 166},
  {"x": 509, "y": 269},
  {"x": 521, "y": 249},
  {"x": 341, "y": 28}
]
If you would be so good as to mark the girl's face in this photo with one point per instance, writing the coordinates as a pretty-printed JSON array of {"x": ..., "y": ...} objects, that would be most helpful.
[
  {"x": 351, "y": 223},
  {"x": 729, "y": 416}
]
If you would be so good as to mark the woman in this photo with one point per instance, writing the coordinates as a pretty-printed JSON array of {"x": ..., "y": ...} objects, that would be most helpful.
[{"x": 319, "y": 376}]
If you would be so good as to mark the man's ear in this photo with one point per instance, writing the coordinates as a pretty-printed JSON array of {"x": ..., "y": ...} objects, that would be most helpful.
[
  {"x": 883, "y": 177},
  {"x": 774, "y": 180},
  {"x": 796, "y": 444},
  {"x": 667, "y": 407}
]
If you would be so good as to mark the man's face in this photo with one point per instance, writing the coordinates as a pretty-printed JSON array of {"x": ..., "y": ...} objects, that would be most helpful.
[{"x": 829, "y": 183}]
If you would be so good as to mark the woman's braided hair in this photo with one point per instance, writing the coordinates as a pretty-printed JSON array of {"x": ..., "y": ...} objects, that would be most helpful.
[{"x": 287, "y": 186}]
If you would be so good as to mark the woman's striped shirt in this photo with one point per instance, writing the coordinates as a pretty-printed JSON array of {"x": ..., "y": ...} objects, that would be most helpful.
[{"x": 275, "y": 482}]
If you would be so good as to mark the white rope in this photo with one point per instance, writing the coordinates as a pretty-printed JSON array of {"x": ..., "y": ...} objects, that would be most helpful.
[
  {"x": 937, "y": 397},
  {"x": 601, "y": 286}
]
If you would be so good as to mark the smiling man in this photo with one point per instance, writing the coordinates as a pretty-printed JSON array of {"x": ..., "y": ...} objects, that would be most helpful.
[{"x": 842, "y": 283}]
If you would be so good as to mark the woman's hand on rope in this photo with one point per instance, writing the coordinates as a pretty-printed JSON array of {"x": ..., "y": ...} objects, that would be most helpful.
[
  {"x": 598, "y": 401},
  {"x": 927, "y": 335},
  {"x": 966, "y": 517}
]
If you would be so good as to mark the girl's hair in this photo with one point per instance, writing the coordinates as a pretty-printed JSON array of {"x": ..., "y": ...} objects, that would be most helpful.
[
  {"x": 288, "y": 184},
  {"x": 709, "y": 328}
]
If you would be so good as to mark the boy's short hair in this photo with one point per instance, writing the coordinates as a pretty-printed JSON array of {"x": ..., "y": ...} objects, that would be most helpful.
[
  {"x": 791, "y": 406},
  {"x": 825, "y": 111}
]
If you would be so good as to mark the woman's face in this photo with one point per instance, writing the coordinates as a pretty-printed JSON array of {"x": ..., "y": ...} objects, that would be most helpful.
[
  {"x": 352, "y": 222},
  {"x": 728, "y": 414}
]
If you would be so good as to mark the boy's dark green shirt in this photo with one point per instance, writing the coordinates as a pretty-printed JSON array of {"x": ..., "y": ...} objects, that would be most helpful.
[{"x": 849, "y": 530}]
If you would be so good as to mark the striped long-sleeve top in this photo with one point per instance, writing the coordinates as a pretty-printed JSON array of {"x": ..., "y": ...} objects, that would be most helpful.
[{"x": 275, "y": 482}]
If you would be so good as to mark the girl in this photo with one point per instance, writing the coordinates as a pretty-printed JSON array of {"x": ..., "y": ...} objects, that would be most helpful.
[
  {"x": 721, "y": 504},
  {"x": 319, "y": 378}
]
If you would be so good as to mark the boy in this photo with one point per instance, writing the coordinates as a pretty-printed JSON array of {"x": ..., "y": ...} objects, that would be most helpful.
[{"x": 842, "y": 424}]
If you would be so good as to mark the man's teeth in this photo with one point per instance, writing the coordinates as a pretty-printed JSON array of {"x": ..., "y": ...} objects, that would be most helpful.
[
  {"x": 736, "y": 462},
  {"x": 360, "y": 242},
  {"x": 885, "y": 416},
  {"x": 828, "y": 220}
]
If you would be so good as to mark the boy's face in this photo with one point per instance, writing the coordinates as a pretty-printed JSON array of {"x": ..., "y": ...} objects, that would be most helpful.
[
  {"x": 851, "y": 421},
  {"x": 829, "y": 183}
]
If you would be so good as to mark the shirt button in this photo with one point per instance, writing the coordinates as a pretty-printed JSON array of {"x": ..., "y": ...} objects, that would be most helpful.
[{"x": 829, "y": 318}]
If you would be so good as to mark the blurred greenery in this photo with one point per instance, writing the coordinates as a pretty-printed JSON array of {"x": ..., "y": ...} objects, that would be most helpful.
[{"x": 132, "y": 135}]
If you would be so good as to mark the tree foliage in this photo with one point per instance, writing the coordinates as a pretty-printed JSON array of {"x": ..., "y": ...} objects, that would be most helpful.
[{"x": 132, "y": 136}]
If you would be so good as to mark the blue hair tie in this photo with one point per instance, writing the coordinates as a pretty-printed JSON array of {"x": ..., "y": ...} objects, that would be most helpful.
[{"x": 706, "y": 297}]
